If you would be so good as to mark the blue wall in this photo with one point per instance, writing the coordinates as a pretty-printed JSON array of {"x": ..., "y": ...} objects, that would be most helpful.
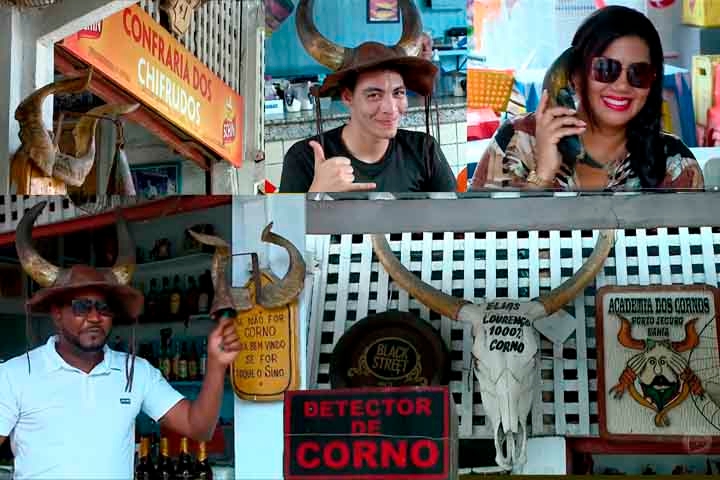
[{"x": 344, "y": 22}]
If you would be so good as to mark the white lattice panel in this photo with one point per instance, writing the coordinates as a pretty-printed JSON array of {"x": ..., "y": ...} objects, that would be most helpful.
[
  {"x": 12, "y": 208},
  {"x": 214, "y": 36},
  {"x": 351, "y": 284}
]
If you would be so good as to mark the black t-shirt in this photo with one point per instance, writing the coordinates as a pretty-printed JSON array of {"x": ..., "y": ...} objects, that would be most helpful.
[{"x": 405, "y": 167}]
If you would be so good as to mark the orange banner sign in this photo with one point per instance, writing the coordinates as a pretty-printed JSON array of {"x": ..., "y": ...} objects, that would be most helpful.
[{"x": 137, "y": 53}]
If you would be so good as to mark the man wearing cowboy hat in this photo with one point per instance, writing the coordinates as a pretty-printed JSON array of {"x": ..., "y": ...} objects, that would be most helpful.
[
  {"x": 75, "y": 393},
  {"x": 370, "y": 152}
]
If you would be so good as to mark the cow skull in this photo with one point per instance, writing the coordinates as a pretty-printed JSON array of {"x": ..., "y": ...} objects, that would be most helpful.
[
  {"x": 231, "y": 300},
  {"x": 505, "y": 341}
]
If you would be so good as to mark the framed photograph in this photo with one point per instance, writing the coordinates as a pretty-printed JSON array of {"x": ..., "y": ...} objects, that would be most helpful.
[
  {"x": 383, "y": 11},
  {"x": 157, "y": 180},
  {"x": 658, "y": 358}
]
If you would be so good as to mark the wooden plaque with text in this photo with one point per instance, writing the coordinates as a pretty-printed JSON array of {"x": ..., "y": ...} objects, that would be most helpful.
[{"x": 268, "y": 364}]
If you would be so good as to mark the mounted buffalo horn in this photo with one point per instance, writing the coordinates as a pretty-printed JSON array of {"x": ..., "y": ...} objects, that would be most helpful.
[
  {"x": 74, "y": 168},
  {"x": 36, "y": 144},
  {"x": 336, "y": 57},
  {"x": 505, "y": 341},
  {"x": 276, "y": 295},
  {"x": 46, "y": 274},
  {"x": 289, "y": 287}
]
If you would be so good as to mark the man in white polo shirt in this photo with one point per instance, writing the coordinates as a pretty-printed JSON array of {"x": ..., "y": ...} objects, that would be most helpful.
[{"x": 69, "y": 406}]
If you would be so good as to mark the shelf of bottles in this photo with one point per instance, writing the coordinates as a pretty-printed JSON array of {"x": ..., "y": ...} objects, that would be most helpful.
[
  {"x": 156, "y": 461},
  {"x": 171, "y": 296}
]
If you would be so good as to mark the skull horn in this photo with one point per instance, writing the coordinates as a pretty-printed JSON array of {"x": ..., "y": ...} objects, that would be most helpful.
[
  {"x": 426, "y": 294},
  {"x": 39, "y": 269},
  {"x": 412, "y": 28},
  {"x": 125, "y": 264},
  {"x": 290, "y": 286},
  {"x": 36, "y": 141},
  {"x": 625, "y": 338},
  {"x": 691, "y": 338},
  {"x": 569, "y": 289},
  {"x": 320, "y": 48},
  {"x": 224, "y": 298}
]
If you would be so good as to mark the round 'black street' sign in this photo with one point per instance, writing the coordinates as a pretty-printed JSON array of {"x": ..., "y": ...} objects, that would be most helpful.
[{"x": 390, "y": 349}]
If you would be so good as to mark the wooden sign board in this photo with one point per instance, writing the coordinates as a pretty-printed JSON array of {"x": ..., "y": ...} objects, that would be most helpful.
[
  {"x": 268, "y": 363},
  {"x": 657, "y": 349},
  {"x": 391, "y": 433}
]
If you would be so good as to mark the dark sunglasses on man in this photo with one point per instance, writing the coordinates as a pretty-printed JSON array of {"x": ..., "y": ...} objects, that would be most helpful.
[
  {"x": 81, "y": 307},
  {"x": 608, "y": 70}
]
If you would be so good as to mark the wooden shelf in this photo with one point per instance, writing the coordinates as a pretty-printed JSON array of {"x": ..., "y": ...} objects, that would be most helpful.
[
  {"x": 174, "y": 266},
  {"x": 144, "y": 211},
  {"x": 601, "y": 446}
]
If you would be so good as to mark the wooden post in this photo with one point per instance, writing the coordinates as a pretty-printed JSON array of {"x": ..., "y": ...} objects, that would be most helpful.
[{"x": 241, "y": 181}]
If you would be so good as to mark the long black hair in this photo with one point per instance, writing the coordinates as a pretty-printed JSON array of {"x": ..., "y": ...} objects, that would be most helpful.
[{"x": 596, "y": 33}]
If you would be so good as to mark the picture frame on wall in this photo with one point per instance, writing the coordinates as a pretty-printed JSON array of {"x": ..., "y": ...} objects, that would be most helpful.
[
  {"x": 658, "y": 347},
  {"x": 157, "y": 180},
  {"x": 383, "y": 11}
]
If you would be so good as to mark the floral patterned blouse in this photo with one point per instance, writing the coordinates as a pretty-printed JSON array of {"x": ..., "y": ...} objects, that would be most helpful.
[{"x": 510, "y": 158}]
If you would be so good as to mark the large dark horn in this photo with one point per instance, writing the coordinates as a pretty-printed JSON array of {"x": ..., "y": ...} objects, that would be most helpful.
[
  {"x": 428, "y": 295},
  {"x": 225, "y": 298},
  {"x": 412, "y": 28},
  {"x": 36, "y": 141},
  {"x": 125, "y": 264},
  {"x": 320, "y": 48},
  {"x": 290, "y": 286},
  {"x": 571, "y": 287},
  {"x": 691, "y": 338},
  {"x": 39, "y": 269}
]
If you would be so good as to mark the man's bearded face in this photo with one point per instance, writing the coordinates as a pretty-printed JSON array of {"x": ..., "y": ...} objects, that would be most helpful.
[{"x": 87, "y": 332}]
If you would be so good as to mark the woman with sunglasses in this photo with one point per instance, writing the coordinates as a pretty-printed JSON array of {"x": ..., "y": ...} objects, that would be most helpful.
[{"x": 616, "y": 69}]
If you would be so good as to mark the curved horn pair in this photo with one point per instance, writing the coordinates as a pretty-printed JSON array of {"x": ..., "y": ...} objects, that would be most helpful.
[
  {"x": 450, "y": 306},
  {"x": 272, "y": 296},
  {"x": 333, "y": 55},
  {"x": 36, "y": 141},
  {"x": 45, "y": 273}
]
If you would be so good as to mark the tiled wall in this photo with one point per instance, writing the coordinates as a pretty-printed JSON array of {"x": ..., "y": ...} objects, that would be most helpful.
[{"x": 453, "y": 138}]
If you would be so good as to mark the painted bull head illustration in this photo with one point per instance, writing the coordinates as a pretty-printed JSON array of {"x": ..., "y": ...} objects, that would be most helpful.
[
  {"x": 39, "y": 155},
  {"x": 664, "y": 376},
  {"x": 505, "y": 341},
  {"x": 230, "y": 300}
]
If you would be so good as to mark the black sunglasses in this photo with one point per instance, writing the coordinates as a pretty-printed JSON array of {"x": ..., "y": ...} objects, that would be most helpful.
[
  {"x": 81, "y": 307},
  {"x": 608, "y": 70}
]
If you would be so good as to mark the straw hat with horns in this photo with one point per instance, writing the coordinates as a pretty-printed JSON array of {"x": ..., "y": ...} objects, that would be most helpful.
[{"x": 58, "y": 282}]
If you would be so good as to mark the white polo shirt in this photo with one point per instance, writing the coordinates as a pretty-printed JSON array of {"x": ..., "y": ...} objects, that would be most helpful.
[{"x": 64, "y": 423}]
